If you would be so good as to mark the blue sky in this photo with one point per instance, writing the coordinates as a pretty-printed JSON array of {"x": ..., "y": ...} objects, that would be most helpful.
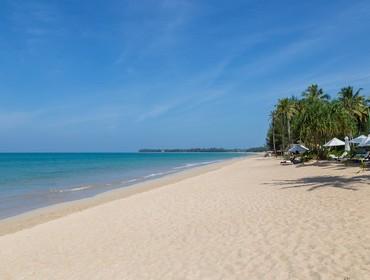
[{"x": 121, "y": 75}]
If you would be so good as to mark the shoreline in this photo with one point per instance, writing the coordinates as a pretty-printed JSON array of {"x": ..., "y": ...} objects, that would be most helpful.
[
  {"x": 51, "y": 212},
  {"x": 245, "y": 218}
]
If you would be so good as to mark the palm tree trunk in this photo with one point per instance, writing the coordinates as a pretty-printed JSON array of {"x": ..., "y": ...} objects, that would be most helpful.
[
  {"x": 282, "y": 136},
  {"x": 289, "y": 138},
  {"x": 273, "y": 133}
]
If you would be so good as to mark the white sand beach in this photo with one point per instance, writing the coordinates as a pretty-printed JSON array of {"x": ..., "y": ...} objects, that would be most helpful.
[{"x": 246, "y": 219}]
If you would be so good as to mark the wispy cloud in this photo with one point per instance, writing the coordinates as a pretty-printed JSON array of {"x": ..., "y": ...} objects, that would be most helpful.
[
  {"x": 66, "y": 117},
  {"x": 181, "y": 105},
  {"x": 284, "y": 55},
  {"x": 330, "y": 82},
  {"x": 35, "y": 20},
  {"x": 18, "y": 118},
  {"x": 147, "y": 38},
  {"x": 318, "y": 37},
  {"x": 155, "y": 111}
]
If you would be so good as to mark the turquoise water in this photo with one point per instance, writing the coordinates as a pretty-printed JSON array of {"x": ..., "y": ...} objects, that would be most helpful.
[{"x": 33, "y": 180}]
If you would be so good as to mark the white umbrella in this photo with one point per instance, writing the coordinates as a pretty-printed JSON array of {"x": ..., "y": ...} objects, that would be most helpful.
[
  {"x": 347, "y": 147},
  {"x": 297, "y": 148},
  {"x": 365, "y": 142},
  {"x": 334, "y": 142},
  {"x": 358, "y": 140}
]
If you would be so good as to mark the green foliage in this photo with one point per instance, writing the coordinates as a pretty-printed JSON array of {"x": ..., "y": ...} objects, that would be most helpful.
[
  {"x": 314, "y": 119},
  {"x": 257, "y": 149},
  {"x": 202, "y": 150}
]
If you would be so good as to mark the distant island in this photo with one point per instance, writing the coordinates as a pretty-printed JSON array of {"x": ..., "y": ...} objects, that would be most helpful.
[{"x": 204, "y": 150}]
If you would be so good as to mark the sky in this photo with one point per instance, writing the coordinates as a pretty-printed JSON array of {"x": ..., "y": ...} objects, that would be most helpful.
[{"x": 113, "y": 76}]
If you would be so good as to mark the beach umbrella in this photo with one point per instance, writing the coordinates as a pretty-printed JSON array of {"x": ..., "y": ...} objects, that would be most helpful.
[
  {"x": 334, "y": 142},
  {"x": 358, "y": 140},
  {"x": 297, "y": 148},
  {"x": 347, "y": 147},
  {"x": 365, "y": 142}
]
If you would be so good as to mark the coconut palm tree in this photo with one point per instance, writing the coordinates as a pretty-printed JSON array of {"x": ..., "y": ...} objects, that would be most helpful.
[
  {"x": 349, "y": 97},
  {"x": 314, "y": 119},
  {"x": 314, "y": 92},
  {"x": 355, "y": 105},
  {"x": 272, "y": 116},
  {"x": 286, "y": 109}
]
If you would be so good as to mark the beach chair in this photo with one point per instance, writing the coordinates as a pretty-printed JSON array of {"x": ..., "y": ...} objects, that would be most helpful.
[
  {"x": 361, "y": 157},
  {"x": 343, "y": 157},
  {"x": 289, "y": 161},
  {"x": 297, "y": 160},
  {"x": 332, "y": 157},
  {"x": 286, "y": 162},
  {"x": 366, "y": 156},
  {"x": 292, "y": 160}
]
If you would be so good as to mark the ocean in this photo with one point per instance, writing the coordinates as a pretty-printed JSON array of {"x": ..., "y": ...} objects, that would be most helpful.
[{"x": 33, "y": 180}]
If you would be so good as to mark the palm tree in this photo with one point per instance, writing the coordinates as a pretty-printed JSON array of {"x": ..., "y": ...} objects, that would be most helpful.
[
  {"x": 315, "y": 119},
  {"x": 314, "y": 92},
  {"x": 272, "y": 115},
  {"x": 286, "y": 109},
  {"x": 348, "y": 95},
  {"x": 311, "y": 121},
  {"x": 355, "y": 105}
]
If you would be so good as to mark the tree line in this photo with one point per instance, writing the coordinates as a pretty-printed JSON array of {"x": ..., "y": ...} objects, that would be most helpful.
[
  {"x": 315, "y": 118},
  {"x": 206, "y": 150}
]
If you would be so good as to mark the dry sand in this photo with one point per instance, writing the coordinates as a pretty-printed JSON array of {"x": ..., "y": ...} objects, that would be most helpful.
[{"x": 249, "y": 219}]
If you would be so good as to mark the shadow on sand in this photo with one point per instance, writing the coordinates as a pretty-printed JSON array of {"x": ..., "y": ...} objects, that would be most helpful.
[
  {"x": 333, "y": 165},
  {"x": 317, "y": 182}
]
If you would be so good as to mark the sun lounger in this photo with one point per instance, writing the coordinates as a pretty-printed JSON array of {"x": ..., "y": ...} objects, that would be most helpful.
[
  {"x": 361, "y": 157},
  {"x": 333, "y": 157},
  {"x": 366, "y": 157},
  {"x": 292, "y": 160},
  {"x": 342, "y": 157}
]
